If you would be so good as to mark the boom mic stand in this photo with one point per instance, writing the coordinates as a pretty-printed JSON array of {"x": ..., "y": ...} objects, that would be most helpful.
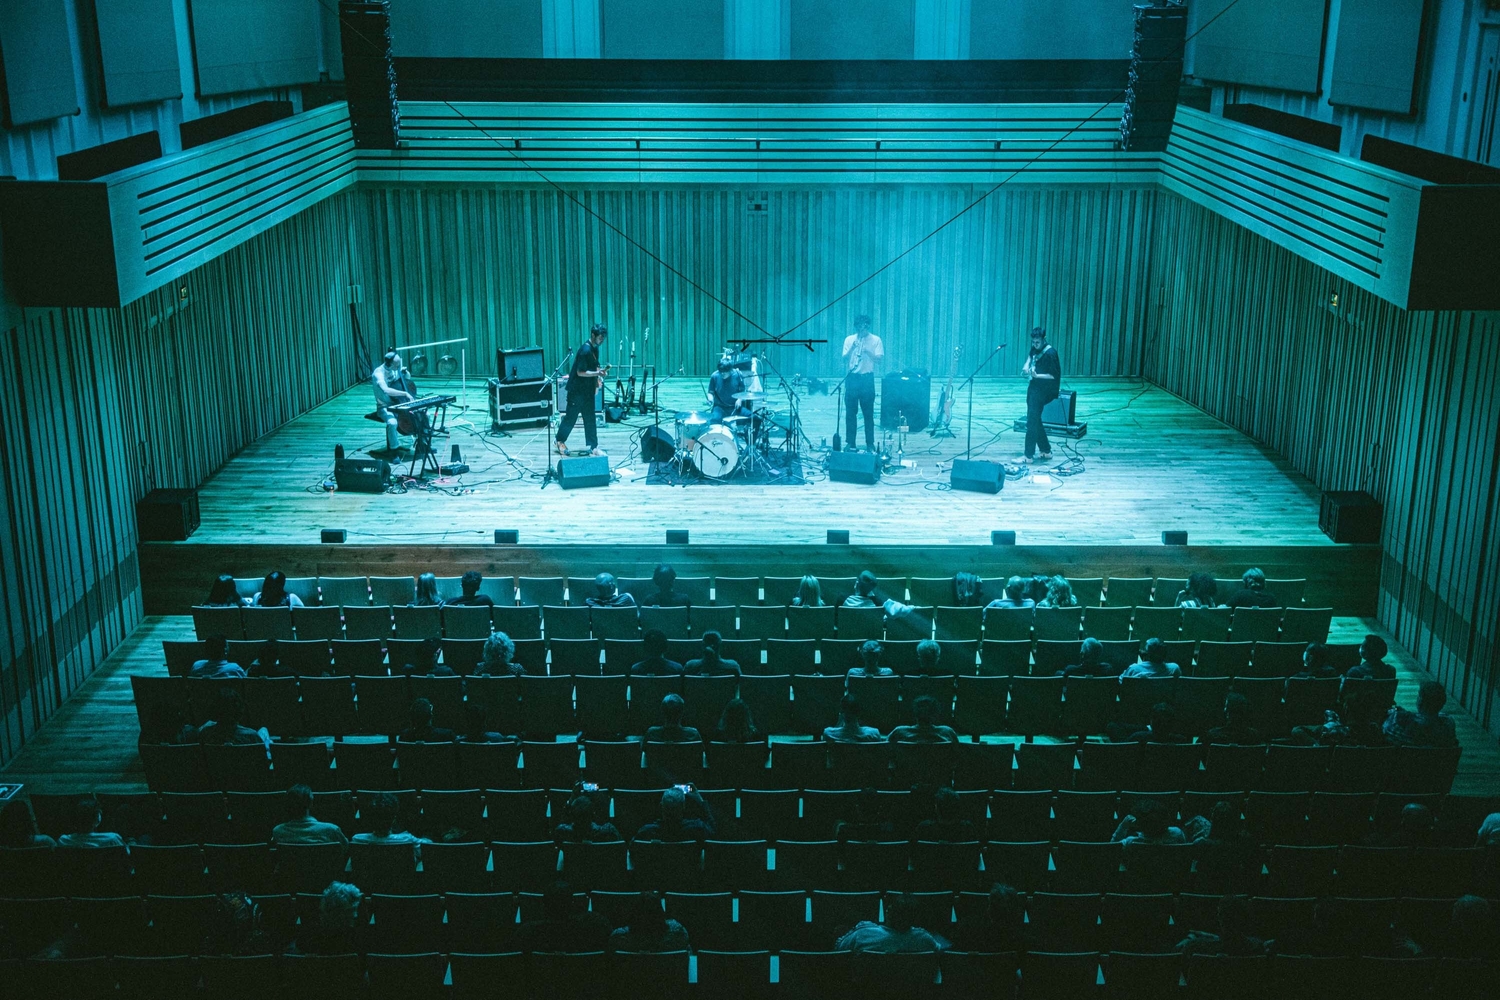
[
  {"x": 969, "y": 430},
  {"x": 551, "y": 475}
]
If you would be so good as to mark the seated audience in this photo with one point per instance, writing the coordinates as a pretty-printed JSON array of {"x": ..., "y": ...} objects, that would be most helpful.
[
  {"x": 925, "y": 729},
  {"x": 866, "y": 596},
  {"x": 849, "y": 729},
  {"x": 1153, "y": 662},
  {"x": 607, "y": 594},
  {"x": 424, "y": 660},
  {"x": 478, "y": 728},
  {"x": 381, "y": 812},
  {"x": 1090, "y": 661},
  {"x": 897, "y": 936},
  {"x": 471, "y": 597},
  {"x": 499, "y": 657},
  {"x": 650, "y": 929},
  {"x": 215, "y": 665},
  {"x": 1001, "y": 928},
  {"x": 1315, "y": 662},
  {"x": 273, "y": 593},
  {"x": 565, "y": 926},
  {"x": 1160, "y": 728},
  {"x": 1059, "y": 594},
  {"x": 656, "y": 663},
  {"x": 427, "y": 592},
  {"x": 301, "y": 827},
  {"x": 1425, "y": 727},
  {"x": 809, "y": 593},
  {"x": 224, "y": 594},
  {"x": 947, "y": 824},
  {"x": 867, "y": 823},
  {"x": 671, "y": 729},
  {"x": 667, "y": 595},
  {"x": 928, "y": 655},
  {"x": 1253, "y": 593},
  {"x": 579, "y": 825},
  {"x": 711, "y": 664},
  {"x": 1358, "y": 725},
  {"x": 1415, "y": 827},
  {"x": 736, "y": 725},
  {"x": 337, "y": 930},
  {"x": 1233, "y": 935},
  {"x": 968, "y": 590},
  {"x": 684, "y": 816},
  {"x": 1471, "y": 930},
  {"x": 1235, "y": 729},
  {"x": 224, "y": 728},
  {"x": 84, "y": 830},
  {"x": 1015, "y": 596},
  {"x": 1150, "y": 823},
  {"x": 1489, "y": 831},
  {"x": 18, "y": 826},
  {"x": 1036, "y": 588},
  {"x": 1202, "y": 591},
  {"x": 421, "y": 729},
  {"x": 235, "y": 927},
  {"x": 1371, "y": 665},
  {"x": 869, "y": 662}
]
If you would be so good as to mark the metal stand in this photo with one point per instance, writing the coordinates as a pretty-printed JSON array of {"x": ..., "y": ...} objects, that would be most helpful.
[
  {"x": 969, "y": 420},
  {"x": 551, "y": 475}
]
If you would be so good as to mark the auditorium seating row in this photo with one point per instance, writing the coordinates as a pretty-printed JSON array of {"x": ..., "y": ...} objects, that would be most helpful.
[
  {"x": 1301, "y": 625},
  {"x": 359, "y": 591}
]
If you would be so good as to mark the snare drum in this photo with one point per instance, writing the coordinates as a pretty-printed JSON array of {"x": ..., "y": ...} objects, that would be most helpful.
[
  {"x": 690, "y": 424},
  {"x": 716, "y": 453}
]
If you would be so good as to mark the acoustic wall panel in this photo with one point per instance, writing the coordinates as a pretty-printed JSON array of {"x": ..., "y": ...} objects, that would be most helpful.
[
  {"x": 1274, "y": 45},
  {"x": 254, "y": 44},
  {"x": 830, "y": 29},
  {"x": 663, "y": 29},
  {"x": 138, "y": 50},
  {"x": 1375, "y": 54},
  {"x": 494, "y": 29},
  {"x": 1051, "y": 29},
  {"x": 37, "y": 53}
]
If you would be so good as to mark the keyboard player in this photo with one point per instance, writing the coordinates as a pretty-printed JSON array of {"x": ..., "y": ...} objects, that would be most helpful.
[{"x": 392, "y": 386}]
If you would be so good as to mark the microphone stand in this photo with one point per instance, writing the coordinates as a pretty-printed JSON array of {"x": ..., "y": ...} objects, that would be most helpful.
[
  {"x": 969, "y": 431},
  {"x": 551, "y": 475}
]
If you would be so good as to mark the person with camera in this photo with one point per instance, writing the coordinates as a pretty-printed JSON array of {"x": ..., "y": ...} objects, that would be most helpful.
[
  {"x": 684, "y": 816},
  {"x": 578, "y": 825}
]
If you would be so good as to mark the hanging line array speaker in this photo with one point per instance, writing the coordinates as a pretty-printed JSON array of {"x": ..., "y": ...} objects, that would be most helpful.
[
  {"x": 370, "y": 73},
  {"x": 1155, "y": 77}
]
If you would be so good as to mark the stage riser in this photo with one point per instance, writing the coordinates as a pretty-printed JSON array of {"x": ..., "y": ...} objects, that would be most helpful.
[{"x": 177, "y": 575}]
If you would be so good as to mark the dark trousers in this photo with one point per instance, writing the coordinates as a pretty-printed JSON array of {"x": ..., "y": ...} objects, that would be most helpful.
[
  {"x": 579, "y": 406},
  {"x": 1036, "y": 434},
  {"x": 859, "y": 394}
]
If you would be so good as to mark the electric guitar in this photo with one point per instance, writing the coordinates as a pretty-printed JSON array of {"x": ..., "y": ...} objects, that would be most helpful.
[{"x": 945, "y": 400}]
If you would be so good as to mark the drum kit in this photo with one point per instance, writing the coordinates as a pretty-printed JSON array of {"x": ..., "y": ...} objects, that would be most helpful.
[{"x": 740, "y": 441}]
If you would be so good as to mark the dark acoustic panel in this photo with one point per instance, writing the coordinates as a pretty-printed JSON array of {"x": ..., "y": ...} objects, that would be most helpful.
[
  {"x": 1050, "y": 29},
  {"x": 210, "y": 127},
  {"x": 463, "y": 29},
  {"x": 138, "y": 51},
  {"x": 96, "y": 161},
  {"x": 36, "y": 53},
  {"x": 663, "y": 29},
  {"x": 1439, "y": 168},
  {"x": 1277, "y": 45},
  {"x": 244, "y": 45},
  {"x": 59, "y": 244},
  {"x": 1375, "y": 54},
  {"x": 830, "y": 29},
  {"x": 1456, "y": 261},
  {"x": 1308, "y": 130}
]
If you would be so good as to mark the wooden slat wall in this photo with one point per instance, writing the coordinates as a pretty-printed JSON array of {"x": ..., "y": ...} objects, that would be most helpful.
[
  {"x": 99, "y": 406},
  {"x": 1358, "y": 395},
  {"x": 515, "y": 267}
]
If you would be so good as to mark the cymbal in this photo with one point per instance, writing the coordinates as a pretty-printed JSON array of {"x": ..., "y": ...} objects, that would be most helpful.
[{"x": 752, "y": 397}]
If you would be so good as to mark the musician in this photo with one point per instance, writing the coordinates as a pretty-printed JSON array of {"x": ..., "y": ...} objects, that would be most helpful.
[
  {"x": 863, "y": 351},
  {"x": 1044, "y": 370},
  {"x": 390, "y": 389},
  {"x": 722, "y": 387},
  {"x": 584, "y": 379}
]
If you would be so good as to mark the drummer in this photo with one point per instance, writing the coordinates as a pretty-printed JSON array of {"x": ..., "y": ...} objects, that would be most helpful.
[{"x": 723, "y": 385}]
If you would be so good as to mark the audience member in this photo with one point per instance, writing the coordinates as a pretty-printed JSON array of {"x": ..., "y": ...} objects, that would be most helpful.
[
  {"x": 84, "y": 831},
  {"x": 421, "y": 729},
  {"x": 968, "y": 590},
  {"x": 1371, "y": 665},
  {"x": 235, "y": 927},
  {"x": 928, "y": 655},
  {"x": 736, "y": 725},
  {"x": 337, "y": 930},
  {"x": 1360, "y": 724},
  {"x": 849, "y": 729},
  {"x": 1202, "y": 591},
  {"x": 656, "y": 663},
  {"x": 273, "y": 593},
  {"x": 1160, "y": 727},
  {"x": 478, "y": 728},
  {"x": 224, "y": 728},
  {"x": 650, "y": 929},
  {"x": 215, "y": 665},
  {"x": 1015, "y": 596},
  {"x": 224, "y": 594},
  {"x": 381, "y": 812},
  {"x": 607, "y": 594},
  {"x": 684, "y": 816},
  {"x": 671, "y": 729},
  {"x": 1471, "y": 930},
  {"x": 897, "y": 936},
  {"x": 868, "y": 822},
  {"x": 1235, "y": 729},
  {"x": 1059, "y": 594},
  {"x": 1002, "y": 927},
  {"x": 1233, "y": 937},
  {"x": 1224, "y": 850},
  {"x": 18, "y": 826},
  {"x": 869, "y": 661},
  {"x": 472, "y": 598},
  {"x": 667, "y": 595},
  {"x": 711, "y": 664},
  {"x": 1036, "y": 588},
  {"x": 809, "y": 593},
  {"x": 1489, "y": 831},
  {"x": 424, "y": 660},
  {"x": 300, "y": 826},
  {"x": 1415, "y": 827},
  {"x": 579, "y": 825},
  {"x": 1153, "y": 662},
  {"x": 564, "y": 925},
  {"x": 499, "y": 657},
  {"x": 1090, "y": 661},
  {"x": 1253, "y": 593},
  {"x": 427, "y": 592},
  {"x": 1425, "y": 727},
  {"x": 1316, "y": 662},
  {"x": 925, "y": 729},
  {"x": 947, "y": 825},
  {"x": 1149, "y": 823},
  {"x": 866, "y": 596}
]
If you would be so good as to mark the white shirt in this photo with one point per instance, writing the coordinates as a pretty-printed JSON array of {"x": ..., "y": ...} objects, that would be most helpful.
[
  {"x": 862, "y": 355},
  {"x": 385, "y": 379}
]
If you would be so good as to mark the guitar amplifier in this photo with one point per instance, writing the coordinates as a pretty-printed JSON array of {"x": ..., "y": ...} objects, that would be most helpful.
[
  {"x": 519, "y": 404},
  {"x": 523, "y": 364},
  {"x": 907, "y": 394},
  {"x": 361, "y": 475}
]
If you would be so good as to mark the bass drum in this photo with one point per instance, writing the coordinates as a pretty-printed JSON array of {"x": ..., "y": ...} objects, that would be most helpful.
[{"x": 715, "y": 453}]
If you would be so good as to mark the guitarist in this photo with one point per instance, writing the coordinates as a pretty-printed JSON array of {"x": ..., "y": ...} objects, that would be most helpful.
[
  {"x": 1043, "y": 369},
  {"x": 585, "y": 378}
]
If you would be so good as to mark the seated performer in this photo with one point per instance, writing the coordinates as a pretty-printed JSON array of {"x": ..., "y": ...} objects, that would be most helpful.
[
  {"x": 722, "y": 386},
  {"x": 390, "y": 390}
]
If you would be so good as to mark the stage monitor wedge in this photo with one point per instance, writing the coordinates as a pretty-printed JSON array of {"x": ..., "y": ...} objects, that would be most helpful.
[
  {"x": 583, "y": 472},
  {"x": 977, "y": 477},
  {"x": 854, "y": 467}
]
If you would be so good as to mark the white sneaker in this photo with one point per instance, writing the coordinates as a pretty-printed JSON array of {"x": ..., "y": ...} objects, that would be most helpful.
[{"x": 597, "y": 453}]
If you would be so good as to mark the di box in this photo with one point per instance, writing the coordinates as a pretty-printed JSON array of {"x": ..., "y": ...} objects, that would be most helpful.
[
  {"x": 978, "y": 477},
  {"x": 576, "y": 473},
  {"x": 854, "y": 467}
]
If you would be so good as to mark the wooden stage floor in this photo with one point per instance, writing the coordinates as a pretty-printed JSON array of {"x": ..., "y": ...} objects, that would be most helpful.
[{"x": 1151, "y": 461}]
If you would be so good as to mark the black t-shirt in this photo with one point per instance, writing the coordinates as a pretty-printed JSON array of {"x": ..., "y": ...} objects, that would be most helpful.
[
  {"x": 1247, "y": 598},
  {"x": 477, "y": 600},
  {"x": 1046, "y": 363},
  {"x": 585, "y": 359},
  {"x": 723, "y": 385}
]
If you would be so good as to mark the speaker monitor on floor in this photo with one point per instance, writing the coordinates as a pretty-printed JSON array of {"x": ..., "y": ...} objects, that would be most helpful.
[
  {"x": 507, "y": 536},
  {"x": 1174, "y": 537},
  {"x": 854, "y": 467},
  {"x": 1002, "y": 538},
  {"x": 977, "y": 477},
  {"x": 577, "y": 473},
  {"x": 333, "y": 536},
  {"x": 657, "y": 445},
  {"x": 837, "y": 537},
  {"x": 361, "y": 475},
  {"x": 677, "y": 536},
  {"x": 167, "y": 515}
]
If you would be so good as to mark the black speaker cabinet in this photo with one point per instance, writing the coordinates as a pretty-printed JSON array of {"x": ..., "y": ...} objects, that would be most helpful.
[
  {"x": 978, "y": 477},
  {"x": 657, "y": 445},
  {"x": 361, "y": 475},
  {"x": 905, "y": 394},
  {"x": 524, "y": 364},
  {"x": 1351, "y": 516},
  {"x": 854, "y": 467},
  {"x": 519, "y": 404},
  {"x": 577, "y": 473},
  {"x": 167, "y": 515},
  {"x": 1061, "y": 410}
]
